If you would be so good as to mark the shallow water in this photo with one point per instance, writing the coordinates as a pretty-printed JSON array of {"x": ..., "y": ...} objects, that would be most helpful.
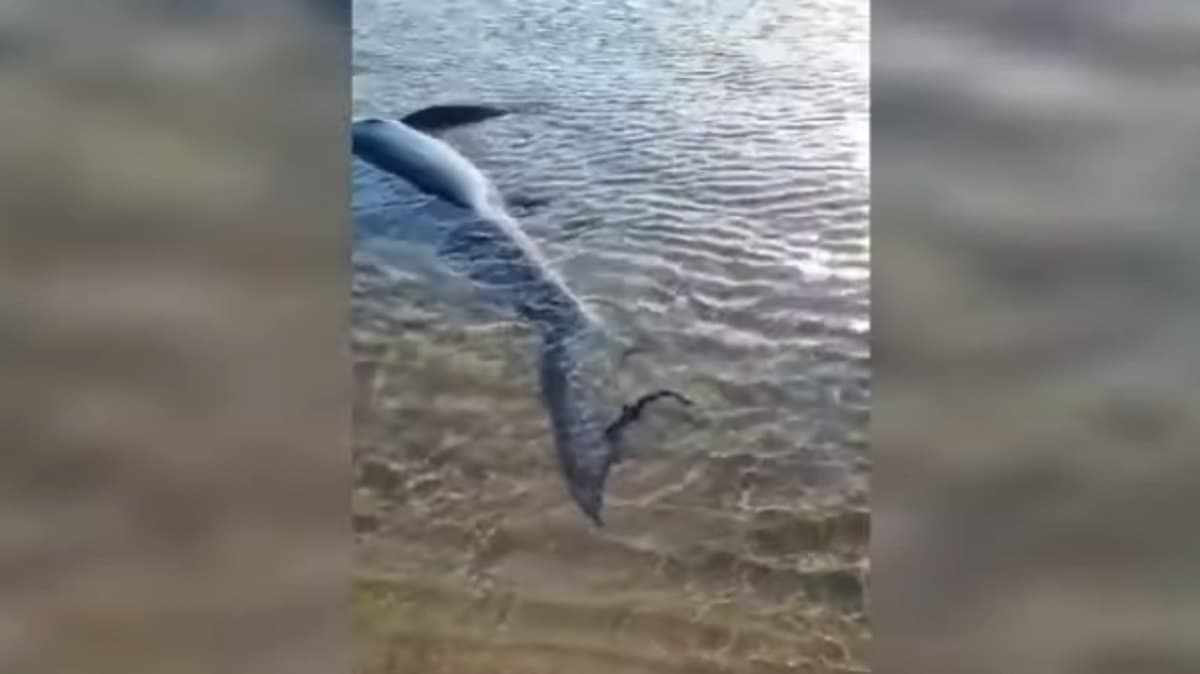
[{"x": 704, "y": 171}]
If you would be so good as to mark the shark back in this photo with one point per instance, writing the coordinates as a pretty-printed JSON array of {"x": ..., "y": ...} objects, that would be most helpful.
[
  {"x": 495, "y": 253},
  {"x": 425, "y": 162}
]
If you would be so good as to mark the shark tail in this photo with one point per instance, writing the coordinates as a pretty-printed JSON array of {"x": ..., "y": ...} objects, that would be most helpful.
[
  {"x": 577, "y": 388},
  {"x": 631, "y": 412},
  {"x": 618, "y": 348}
]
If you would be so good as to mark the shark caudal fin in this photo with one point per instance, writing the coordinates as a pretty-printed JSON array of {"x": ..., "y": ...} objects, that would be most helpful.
[
  {"x": 616, "y": 348},
  {"x": 441, "y": 117},
  {"x": 576, "y": 388},
  {"x": 632, "y": 412}
]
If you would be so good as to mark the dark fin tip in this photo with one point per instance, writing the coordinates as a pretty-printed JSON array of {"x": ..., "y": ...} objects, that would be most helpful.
[{"x": 441, "y": 117}]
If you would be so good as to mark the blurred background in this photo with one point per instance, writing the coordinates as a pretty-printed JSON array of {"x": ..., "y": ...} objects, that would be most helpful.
[
  {"x": 1035, "y": 417},
  {"x": 173, "y": 279},
  {"x": 175, "y": 395}
]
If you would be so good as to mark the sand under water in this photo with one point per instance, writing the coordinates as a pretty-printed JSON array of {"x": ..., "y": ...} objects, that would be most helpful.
[{"x": 703, "y": 171}]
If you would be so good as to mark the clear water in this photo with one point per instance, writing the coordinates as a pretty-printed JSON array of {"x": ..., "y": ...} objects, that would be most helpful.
[{"x": 704, "y": 172}]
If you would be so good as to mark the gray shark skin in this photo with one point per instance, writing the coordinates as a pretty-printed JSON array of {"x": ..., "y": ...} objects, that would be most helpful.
[{"x": 494, "y": 252}]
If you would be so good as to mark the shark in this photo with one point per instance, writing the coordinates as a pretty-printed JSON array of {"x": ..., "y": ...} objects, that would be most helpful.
[{"x": 493, "y": 252}]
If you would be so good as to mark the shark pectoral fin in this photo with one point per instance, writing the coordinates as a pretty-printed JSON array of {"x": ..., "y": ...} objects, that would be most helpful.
[{"x": 441, "y": 117}]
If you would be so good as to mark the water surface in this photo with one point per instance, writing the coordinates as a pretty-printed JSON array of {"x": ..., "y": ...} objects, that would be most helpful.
[{"x": 704, "y": 172}]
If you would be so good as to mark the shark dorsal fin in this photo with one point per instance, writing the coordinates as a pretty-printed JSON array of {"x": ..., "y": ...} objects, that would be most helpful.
[{"x": 441, "y": 117}]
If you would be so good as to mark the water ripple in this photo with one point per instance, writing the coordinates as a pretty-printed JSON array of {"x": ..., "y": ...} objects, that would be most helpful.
[{"x": 704, "y": 166}]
